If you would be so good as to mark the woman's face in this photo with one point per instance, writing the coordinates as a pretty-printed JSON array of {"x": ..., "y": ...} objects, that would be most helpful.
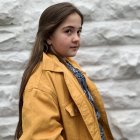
[{"x": 65, "y": 41}]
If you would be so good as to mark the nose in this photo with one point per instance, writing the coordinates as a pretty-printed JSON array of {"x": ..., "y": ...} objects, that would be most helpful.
[{"x": 76, "y": 38}]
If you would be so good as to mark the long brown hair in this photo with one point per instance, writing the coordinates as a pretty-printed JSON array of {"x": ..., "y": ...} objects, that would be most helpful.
[{"x": 50, "y": 19}]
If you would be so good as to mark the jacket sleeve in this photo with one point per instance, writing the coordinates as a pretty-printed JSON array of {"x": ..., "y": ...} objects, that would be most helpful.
[{"x": 40, "y": 116}]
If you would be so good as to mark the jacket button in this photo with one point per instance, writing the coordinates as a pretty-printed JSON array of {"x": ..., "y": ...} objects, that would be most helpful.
[{"x": 75, "y": 110}]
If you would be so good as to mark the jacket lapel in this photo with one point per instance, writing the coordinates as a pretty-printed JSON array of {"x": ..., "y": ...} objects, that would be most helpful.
[{"x": 80, "y": 100}]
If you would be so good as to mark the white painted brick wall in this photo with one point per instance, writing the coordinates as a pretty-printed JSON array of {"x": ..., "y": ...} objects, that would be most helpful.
[{"x": 110, "y": 54}]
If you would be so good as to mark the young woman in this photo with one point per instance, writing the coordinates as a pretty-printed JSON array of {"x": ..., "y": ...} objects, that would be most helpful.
[{"x": 57, "y": 99}]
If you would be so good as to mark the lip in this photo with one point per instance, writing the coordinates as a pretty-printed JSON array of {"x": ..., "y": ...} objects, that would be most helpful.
[{"x": 74, "y": 47}]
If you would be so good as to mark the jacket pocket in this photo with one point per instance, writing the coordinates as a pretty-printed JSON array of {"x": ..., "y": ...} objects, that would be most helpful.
[{"x": 72, "y": 110}]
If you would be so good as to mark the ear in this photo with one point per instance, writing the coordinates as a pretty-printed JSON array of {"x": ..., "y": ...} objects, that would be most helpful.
[{"x": 49, "y": 42}]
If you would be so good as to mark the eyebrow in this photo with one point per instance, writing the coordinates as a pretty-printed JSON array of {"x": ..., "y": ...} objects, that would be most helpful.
[{"x": 72, "y": 27}]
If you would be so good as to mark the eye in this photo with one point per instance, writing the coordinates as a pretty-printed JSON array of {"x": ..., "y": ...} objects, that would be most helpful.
[
  {"x": 68, "y": 31},
  {"x": 79, "y": 32}
]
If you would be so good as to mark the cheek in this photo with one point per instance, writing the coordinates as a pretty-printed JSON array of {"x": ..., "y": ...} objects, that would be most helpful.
[
  {"x": 63, "y": 37},
  {"x": 62, "y": 40}
]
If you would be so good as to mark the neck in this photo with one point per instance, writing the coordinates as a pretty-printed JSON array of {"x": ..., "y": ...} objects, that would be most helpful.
[
  {"x": 53, "y": 51},
  {"x": 60, "y": 58}
]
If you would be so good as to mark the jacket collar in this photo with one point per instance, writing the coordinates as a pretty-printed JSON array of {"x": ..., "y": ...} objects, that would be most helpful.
[{"x": 52, "y": 63}]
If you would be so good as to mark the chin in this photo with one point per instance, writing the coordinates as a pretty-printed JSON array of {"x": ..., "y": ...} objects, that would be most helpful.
[{"x": 72, "y": 55}]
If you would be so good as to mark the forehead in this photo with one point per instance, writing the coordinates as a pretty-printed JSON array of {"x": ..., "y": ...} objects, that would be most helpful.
[{"x": 72, "y": 20}]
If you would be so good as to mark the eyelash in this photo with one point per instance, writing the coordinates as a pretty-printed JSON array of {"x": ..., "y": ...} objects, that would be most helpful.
[{"x": 69, "y": 31}]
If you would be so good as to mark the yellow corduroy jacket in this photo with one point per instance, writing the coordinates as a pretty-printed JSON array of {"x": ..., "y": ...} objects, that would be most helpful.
[{"x": 56, "y": 108}]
